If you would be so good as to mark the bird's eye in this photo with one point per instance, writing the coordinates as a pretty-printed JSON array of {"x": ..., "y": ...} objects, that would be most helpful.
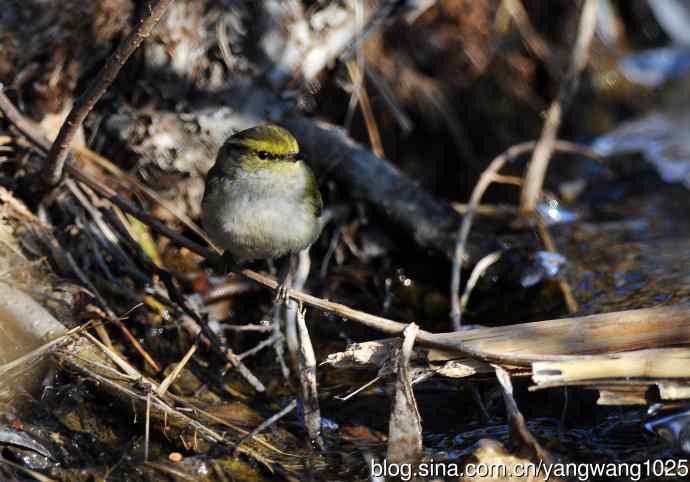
[{"x": 263, "y": 155}]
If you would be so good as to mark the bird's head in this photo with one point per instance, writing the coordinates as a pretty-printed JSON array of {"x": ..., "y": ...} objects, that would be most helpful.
[{"x": 261, "y": 147}]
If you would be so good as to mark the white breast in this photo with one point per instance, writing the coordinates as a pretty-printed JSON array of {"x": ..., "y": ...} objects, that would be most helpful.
[{"x": 262, "y": 215}]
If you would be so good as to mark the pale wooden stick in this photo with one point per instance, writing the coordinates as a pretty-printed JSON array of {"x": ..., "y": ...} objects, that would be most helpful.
[
  {"x": 662, "y": 363},
  {"x": 165, "y": 384},
  {"x": 307, "y": 377}
]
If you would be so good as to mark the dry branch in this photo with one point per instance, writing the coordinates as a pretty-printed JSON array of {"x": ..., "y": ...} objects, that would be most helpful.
[
  {"x": 165, "y": 384},
  {"x": 268, "y": 422},
  {"x": 60, "y": 149},
  {"x": 405, "y": 426},
  {"x": 534, "y": 179},
  {"x": 307, "y": 378},
  {"x": 431, "y": 223},
  {"x": 653, "y": 363},
  {"x": 571, "y": 338},
  {"x": 518, "y": 425},
  {"x": 485, "y": 180}
]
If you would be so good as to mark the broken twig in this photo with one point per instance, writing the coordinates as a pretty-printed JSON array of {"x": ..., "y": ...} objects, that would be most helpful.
[
  {"x": 405, "y": 426},
  {"x": 518, "y": 426},
  {"x": 307, "y": 377}
]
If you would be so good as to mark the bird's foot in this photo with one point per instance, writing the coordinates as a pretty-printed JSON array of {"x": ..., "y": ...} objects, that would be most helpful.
[
  {"x": 282, "y": 293},
  {"x": 285, "y": 282}
]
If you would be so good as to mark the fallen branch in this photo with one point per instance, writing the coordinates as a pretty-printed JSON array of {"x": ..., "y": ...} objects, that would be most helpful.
[
  {"x": 571, "y": 338},
  {"x": 654, "y": 363},
  {"x": 431, "y": 223}
]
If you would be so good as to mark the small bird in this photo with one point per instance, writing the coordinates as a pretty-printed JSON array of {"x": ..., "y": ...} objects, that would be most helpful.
[{"x": 261, "y": 200}]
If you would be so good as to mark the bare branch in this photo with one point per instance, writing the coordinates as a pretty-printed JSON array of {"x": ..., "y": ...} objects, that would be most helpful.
[
  {"x": 57, "y": 155},
  {"x": 489, "y": 176},
  {"x": 534, "y": 179}
]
